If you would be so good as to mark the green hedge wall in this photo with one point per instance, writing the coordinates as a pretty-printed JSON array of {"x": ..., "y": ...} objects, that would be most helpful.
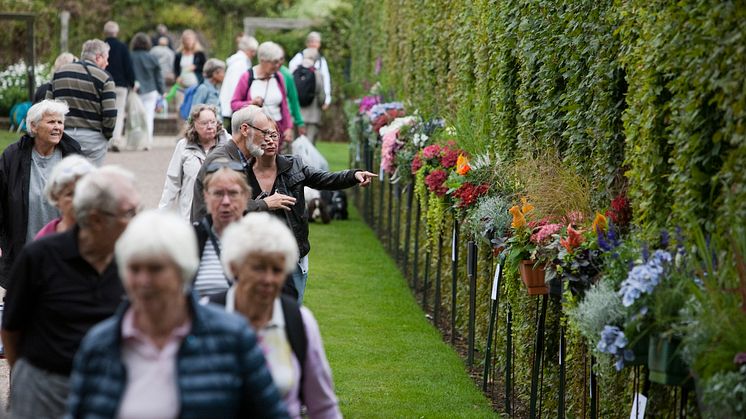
[{"x": 644, "y": 96}]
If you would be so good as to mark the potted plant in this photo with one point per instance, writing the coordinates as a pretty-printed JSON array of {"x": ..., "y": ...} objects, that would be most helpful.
[{"x": 520, "y": 248}]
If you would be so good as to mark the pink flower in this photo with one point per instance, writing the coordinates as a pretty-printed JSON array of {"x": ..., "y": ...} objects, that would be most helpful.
[
  {"x": 431, "y": 151},
  {"x": 389, "y": 146},
  {"x": 434, "y": 181},
  {"x": 449, "y": 158},
  {"x": 545, "y": 232},
  {"x": 416, "y": 164}
]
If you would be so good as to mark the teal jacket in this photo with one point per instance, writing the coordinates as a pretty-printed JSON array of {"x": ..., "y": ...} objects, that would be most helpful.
[
  {"x": 292, "y": 96},
  {"x": 220, "y": 358}
]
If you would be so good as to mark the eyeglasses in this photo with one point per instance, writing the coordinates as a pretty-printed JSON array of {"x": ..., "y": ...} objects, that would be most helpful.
[
  {"x": 207, "y": 123},
  {"x": 127, "y": 215},
  {"x": 230, "y": 164},
  {"x": 231, "y": 193},
  {"x": 272, "y": 135}
]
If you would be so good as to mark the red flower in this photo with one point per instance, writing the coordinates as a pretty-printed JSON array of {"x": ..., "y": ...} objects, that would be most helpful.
[
  {"x": 449, "y": 158},
  {"x": 620, "y": 212},
  {"x": 416, "y": 164},
  {"x": 434, "y": 181},
  {"x": 574, "y": 239},
  {"x": 468, "y": 193}
]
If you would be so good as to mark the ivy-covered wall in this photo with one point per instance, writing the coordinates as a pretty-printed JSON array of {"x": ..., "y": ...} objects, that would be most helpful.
[{"x": 644, "y": 96}]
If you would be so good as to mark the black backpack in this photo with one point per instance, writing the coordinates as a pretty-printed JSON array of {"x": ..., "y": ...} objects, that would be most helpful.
[{"x": 305, "y": 84}]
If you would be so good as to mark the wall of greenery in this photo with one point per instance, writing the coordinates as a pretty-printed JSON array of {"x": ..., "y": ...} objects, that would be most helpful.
[{"x": 640, "y": 97}]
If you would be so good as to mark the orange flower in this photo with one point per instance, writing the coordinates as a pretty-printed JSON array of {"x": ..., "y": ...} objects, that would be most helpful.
[
  {"x": 518, "y": 219},
  {"x": 574, "y": 239},
  {"x": 526, "y": 207},
  {"x": 599, "y": 223},
  {"x": 462, "y": 165}
]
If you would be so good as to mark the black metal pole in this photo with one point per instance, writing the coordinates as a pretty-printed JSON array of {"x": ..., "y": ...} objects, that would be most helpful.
[
  {"x": 538, "y": 353},
  {"x": 436, "y": 299},
  {"x": 509, "y": 360},
  {"x": 494, "y": 304},
  {"x": 426, "y": 285},
  {"x": 397, "y": 233},
  {"x": 594, "y": 390},
  {"x": 454, "y": 278},
  {"x": 471, "y": 268},
  {"x": 389, "y": 219},
  {"x": 561, "y": 401},
  {"x": 379, "y": 220},
  {"x": 408, "y": 229},
  {"x": 416, "y": 258}
]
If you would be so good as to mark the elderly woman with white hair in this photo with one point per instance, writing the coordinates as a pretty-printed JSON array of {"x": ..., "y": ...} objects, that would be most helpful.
[
  {"x": 260, "y": 251},
  {"x": 25, "y": 167},
  {"x": 162, "y": 355},
  {"x": 59, "y": 288},
  {"x": 264, "y": 86},
  {"x": 60, "y": 191}
]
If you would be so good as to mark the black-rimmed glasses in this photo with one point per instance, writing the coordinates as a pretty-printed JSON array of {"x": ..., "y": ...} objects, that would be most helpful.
[{"x": 272, "y": 135}]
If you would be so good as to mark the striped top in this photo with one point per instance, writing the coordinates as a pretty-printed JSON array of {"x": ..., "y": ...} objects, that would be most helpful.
[
  {"x": 210, "y": 276},
  {"x": 92, "y": 99}
]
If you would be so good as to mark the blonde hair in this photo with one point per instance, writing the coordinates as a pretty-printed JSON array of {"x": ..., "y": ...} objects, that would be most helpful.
[{"x": 197, "y": 45}]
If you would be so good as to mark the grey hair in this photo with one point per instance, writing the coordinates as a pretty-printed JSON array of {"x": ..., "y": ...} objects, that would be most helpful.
[
  {"x": 247, "y": 114},
  {"x": 101, "y": 189},
  {"x": 248, "y": 43},
  {"x": 269, "y": 51},
  {"x": 111, "y": 28},
  {"x": 154, "y": 233},
  {"x": 45, "y": 107},
  {"x": 62, "y": 59},
  {"x": 67, "y": 171},
  {"x": 211, "y": 66},
  {"x": 92, "y": 48},
  {"x": 313, "y": 36},
  {"x": 258, "y": 232}
]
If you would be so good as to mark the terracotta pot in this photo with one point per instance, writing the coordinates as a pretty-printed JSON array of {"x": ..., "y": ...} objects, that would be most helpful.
[{"x": 533, "y": 278}]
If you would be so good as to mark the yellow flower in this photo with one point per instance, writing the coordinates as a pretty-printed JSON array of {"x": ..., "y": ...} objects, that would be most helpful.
[
  {"x": 599, "y": 223},
  {"x": 526, "y": 207},
  {"x": 462, "y": 165},
  {"x": 518, "y": 219}
]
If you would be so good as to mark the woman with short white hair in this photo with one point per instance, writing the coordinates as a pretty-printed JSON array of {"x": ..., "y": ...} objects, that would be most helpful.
[
  {"x": 162, "y": 354},
  {"x": 60, "y": 191},
  {"x": 264, "y": 86},
  {"x": 25, "y": 167},
  {"x": 259, "y": 252}
]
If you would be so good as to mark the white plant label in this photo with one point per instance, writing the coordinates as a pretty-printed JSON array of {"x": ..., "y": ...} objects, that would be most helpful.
[
  {"x": 638, "y": 407},
  {"x": 496, "y": 282},
  {"x": 453, "y": 246}
]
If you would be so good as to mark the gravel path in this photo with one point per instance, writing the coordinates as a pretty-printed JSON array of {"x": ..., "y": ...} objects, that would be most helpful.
[{"x": 150, "y": 169}]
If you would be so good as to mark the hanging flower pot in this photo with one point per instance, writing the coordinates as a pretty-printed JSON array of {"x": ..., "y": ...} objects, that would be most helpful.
[
  {"x": 533, "y": 278},
  {"x": 665, "y": 363}
]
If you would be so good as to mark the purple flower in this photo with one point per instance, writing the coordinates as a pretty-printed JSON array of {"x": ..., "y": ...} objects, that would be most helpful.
[
  {"x": 740, "y": 358},
  {"x": 642, "y": 279},
  {"x": 614, "y": 342}
]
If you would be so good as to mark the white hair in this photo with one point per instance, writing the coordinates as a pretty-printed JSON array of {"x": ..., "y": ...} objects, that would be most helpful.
[
  {"x": 45, "y": 107},
  {"x": 269, "y": 51},
  {"x": 313, "y": 36},
  {"x": 92, "y": 48},
  {"x": 247, "y": 114},
  {"x": 154, "y": 233},
  {"x": 248, "y": 43},
  {"x": 111, "y": 28},
  {"x": 211, "y": 66},
  {"x": 67, "y": 171},
  {"x": 101, "y": 189},
  {"x": 258, "y": 232}
]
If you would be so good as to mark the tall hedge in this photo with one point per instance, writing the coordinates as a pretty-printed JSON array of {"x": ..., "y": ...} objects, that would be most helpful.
[{"x": 638, "y": 96}]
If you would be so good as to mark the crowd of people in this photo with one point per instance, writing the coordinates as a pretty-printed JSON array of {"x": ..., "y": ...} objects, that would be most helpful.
[{"x": 193, "y": 309}]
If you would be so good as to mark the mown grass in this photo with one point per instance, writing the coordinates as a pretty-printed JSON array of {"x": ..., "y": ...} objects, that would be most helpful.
[
  {"x": 7, "y": 138},
  {"x": 387, "y": 360}
]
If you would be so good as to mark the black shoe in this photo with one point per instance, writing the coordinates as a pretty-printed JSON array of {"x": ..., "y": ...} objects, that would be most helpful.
[{"x": 114, "y": 149}]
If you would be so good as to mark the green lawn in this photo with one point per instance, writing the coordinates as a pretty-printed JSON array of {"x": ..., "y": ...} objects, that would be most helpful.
[
  {"x": 7, "y": 138},
  {"x": 387, "y": 360}
]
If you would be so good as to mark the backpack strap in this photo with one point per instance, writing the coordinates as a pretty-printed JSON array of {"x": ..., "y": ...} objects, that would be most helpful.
[{"x": 296, "y": 333}]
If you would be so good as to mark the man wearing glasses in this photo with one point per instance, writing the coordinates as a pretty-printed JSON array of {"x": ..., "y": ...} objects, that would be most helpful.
[
  {"x": 60, "y": 286},
  {"x": 276, "y": 181}
]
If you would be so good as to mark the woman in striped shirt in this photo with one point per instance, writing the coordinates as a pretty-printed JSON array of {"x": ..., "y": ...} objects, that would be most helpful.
[{"x": 226, "y": 196}]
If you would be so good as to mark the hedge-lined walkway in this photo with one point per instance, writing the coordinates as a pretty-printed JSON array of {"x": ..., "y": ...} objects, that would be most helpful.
[{"x": 387, "y": 359}]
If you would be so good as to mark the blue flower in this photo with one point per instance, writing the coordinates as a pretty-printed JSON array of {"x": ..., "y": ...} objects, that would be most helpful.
[{"x": 614, "y": 342}]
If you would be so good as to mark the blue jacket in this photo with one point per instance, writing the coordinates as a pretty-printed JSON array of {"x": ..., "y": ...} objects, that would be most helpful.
[{"x": 221, "y": 370}]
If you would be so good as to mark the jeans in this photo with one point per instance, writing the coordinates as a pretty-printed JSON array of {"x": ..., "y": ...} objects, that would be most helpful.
[{"x": 300, "y": 277}]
